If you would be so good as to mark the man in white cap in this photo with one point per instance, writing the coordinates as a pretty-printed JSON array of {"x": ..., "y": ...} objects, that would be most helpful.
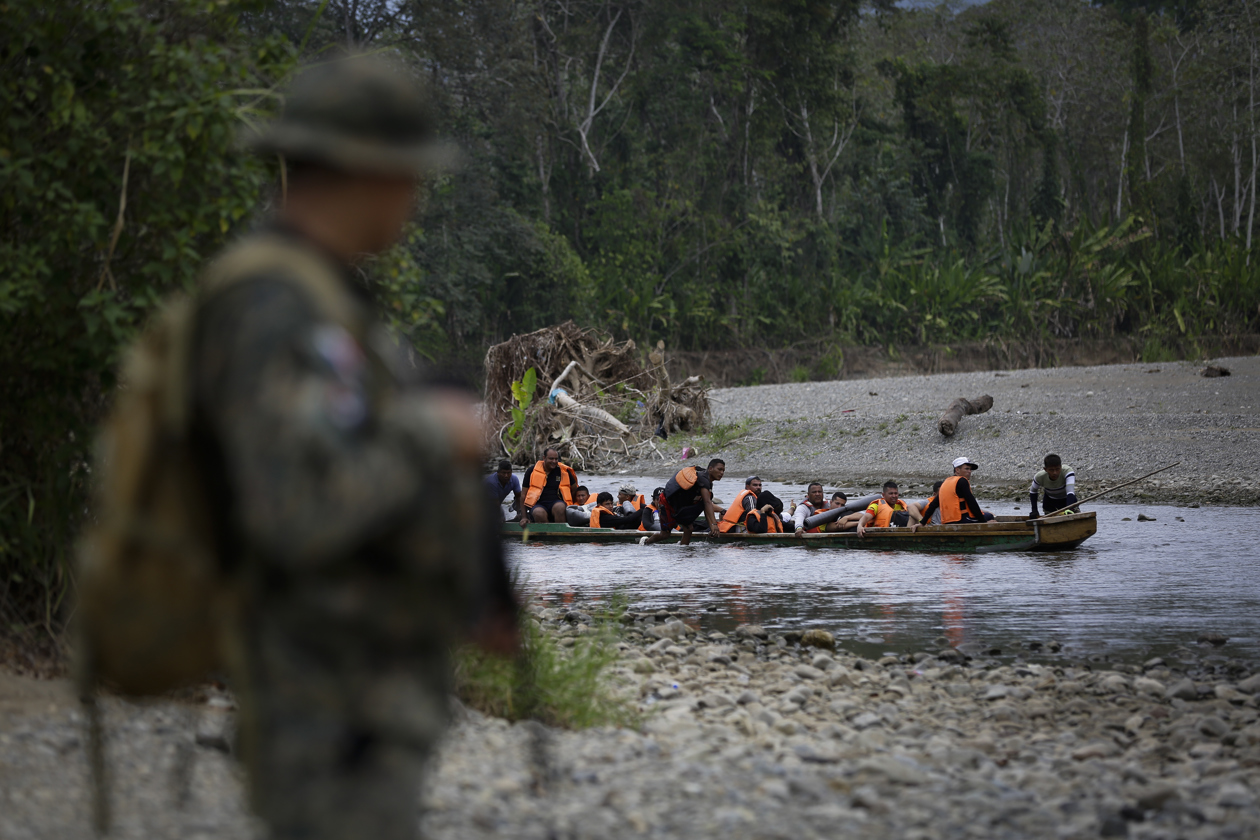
[{"x": 955, "y": 500}]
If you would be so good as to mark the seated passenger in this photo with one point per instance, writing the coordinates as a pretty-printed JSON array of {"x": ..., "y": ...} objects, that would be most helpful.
[
  {"x": 605, "y": 515},
  {"x": 766, "y": 516},
  {"x": 582, "y": 498},
  {"x": 955, "y": 500},
  {"x": 745, "y": 500},
  {"x": 650, "y": 520},
  {"x": 814, "y": 503},
  {"x": 886, "y": 512},
  {"x": 629, "y": 500},
  {"x": 501, "y": 483},
  {"x": 549, "y": 489},
  {"x": 1057, "y": 482}
]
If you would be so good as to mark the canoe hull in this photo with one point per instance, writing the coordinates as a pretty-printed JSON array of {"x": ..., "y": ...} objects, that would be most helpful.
[{"x": 1058, "y": 533}]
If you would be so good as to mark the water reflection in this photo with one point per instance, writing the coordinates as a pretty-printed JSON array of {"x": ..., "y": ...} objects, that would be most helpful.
[{"x": 1136, "y": 590}]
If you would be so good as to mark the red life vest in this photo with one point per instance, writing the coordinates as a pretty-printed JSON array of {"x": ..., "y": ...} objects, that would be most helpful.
[{"x": 538, "y": 480}]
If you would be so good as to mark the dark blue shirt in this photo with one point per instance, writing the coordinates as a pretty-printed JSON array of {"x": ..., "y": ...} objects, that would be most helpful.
[{"x": 500, "y": 491}]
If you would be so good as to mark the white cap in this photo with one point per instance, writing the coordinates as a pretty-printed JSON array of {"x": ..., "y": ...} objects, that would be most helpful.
[
  {"x": 959, "y": 462},
  {"x": 628, "y": 488}
]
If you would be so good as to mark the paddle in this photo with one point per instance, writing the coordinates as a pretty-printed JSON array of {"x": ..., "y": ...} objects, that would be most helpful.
[{"x": 1066, "y": 511}]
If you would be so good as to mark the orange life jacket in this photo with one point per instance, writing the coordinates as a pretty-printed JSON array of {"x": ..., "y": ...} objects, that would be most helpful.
[
  {"x": 597, "y": 513},
  {"x": 648, "y": 507},
  {"x": 686, "y": 478},
  {"x": 538, "y": 480},
  {"x": 883, "y": 512},
  {"x": 734, "y": 513},
  {"x": 637, "y": 502},
  {"x": 774, "y": 525},
  {"x": 952, "y": 506}
]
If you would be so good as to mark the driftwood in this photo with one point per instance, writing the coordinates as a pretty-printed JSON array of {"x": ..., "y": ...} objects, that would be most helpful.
[
  {"x": 958, "y": 408},
  {"x": 603, "y": 405}
]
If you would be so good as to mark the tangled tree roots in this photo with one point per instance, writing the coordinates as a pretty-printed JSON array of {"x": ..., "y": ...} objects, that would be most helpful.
[{"x": 595, "y": 401}]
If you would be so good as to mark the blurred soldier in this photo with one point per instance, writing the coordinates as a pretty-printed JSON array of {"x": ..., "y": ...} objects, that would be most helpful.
[{"x": 325, "y": 457}]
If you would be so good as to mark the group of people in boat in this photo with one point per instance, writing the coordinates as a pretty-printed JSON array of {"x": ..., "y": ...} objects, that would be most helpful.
[{"x": 551, "y": 493}]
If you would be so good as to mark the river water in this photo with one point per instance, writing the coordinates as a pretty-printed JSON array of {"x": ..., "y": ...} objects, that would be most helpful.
[{"x": 1134, "y": 590}]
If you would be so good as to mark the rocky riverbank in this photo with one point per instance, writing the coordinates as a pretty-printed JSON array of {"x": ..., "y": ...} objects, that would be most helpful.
[
  {"x": 1110, "y": 422},
  {"x": 752, "y": 734}
]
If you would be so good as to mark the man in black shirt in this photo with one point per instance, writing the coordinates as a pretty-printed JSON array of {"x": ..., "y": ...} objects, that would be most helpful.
[{"x": 687, "y": 495}]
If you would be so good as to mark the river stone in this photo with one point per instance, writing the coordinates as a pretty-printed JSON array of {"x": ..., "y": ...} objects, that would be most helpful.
[
  {"x": 818, "y": 639},
  {"x": 815, "y": 755},
  {"x": 1213, "y": 726},
  {"x": 996, "y": 692},
  {"x": 1230, "y": 694},
  {"x": 787, "y": 727},
  {"x": 1096, "y": 749},
  {"x": 1155, "y": 798},
  {"x": 643, "y": 666},
  {"x": 1114, "y": 683},
  {"x": 716, "y": 700},
  {"x": 658, "y": 647},
  {"x": 1251, "y": 685},
  {"x": 751, "y": 631},
  {"x": 822, "y": 662},
  {"x": 673, "y": 629},
  {"x": 866, "y": 720},
  {"x": 807, "y": 672},
  {"x": 1146, "y": 685},
  {"x": 748, "y": 696},
  {"x": 1235, "y": 795},
  {"x": 894, "y": 769},
  {"x": 1182, "y": 690},
  {"x": 1216, "y": 639}
]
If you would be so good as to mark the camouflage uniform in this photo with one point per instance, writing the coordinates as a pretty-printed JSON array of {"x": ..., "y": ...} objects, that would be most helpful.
[{"x": 321, "y": 454}]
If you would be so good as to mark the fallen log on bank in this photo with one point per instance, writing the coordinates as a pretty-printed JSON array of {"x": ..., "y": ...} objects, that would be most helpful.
[
  {"x": 603, "y": 405},
  {"x": 959, "y": 408}
]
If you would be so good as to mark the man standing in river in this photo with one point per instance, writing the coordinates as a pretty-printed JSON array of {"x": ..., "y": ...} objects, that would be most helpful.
[{"x": 687, "y": 495}]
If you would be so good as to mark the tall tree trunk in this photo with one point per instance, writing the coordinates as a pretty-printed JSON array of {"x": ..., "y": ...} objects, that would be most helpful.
[
  {"x": 1137, "y": 112},
  {"x": 1124, "y": 152}
]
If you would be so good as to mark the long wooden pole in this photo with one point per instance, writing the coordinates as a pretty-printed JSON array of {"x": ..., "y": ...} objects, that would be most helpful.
[{"x": 1108, "y": 490}]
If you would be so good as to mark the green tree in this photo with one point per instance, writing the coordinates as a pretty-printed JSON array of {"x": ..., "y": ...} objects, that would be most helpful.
[{"x": 118, "y": 177}]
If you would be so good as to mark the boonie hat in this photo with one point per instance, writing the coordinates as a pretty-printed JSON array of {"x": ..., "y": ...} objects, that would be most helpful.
[
  {"x": 627, "y": 488},
  {"x": 960, "y": 462},
  {"x": 359, "y": 114}
]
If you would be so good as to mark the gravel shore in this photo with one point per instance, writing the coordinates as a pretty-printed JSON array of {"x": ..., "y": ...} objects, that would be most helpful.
[
  {"x": 1110, "y": 423},
  {"x": 751, "y": 735}
]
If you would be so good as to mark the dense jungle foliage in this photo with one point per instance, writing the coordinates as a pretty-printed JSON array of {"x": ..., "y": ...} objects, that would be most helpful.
[{"x": 707, "y": 172}]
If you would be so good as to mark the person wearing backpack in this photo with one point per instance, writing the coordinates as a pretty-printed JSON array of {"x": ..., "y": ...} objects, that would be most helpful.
[{"x": 289, "y": 471}]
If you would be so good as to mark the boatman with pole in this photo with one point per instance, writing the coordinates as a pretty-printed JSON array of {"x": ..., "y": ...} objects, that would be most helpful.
[
  {"x": 687, "y": 495},
  {"x": 1057, "y": 482}
]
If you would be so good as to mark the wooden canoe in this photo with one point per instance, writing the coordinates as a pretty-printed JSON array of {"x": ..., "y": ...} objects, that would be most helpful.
[{"x": 1006, "y": 533}]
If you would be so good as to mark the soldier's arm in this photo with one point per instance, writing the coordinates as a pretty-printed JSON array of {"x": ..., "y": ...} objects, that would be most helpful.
[{"x": 313, "y": 467}]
